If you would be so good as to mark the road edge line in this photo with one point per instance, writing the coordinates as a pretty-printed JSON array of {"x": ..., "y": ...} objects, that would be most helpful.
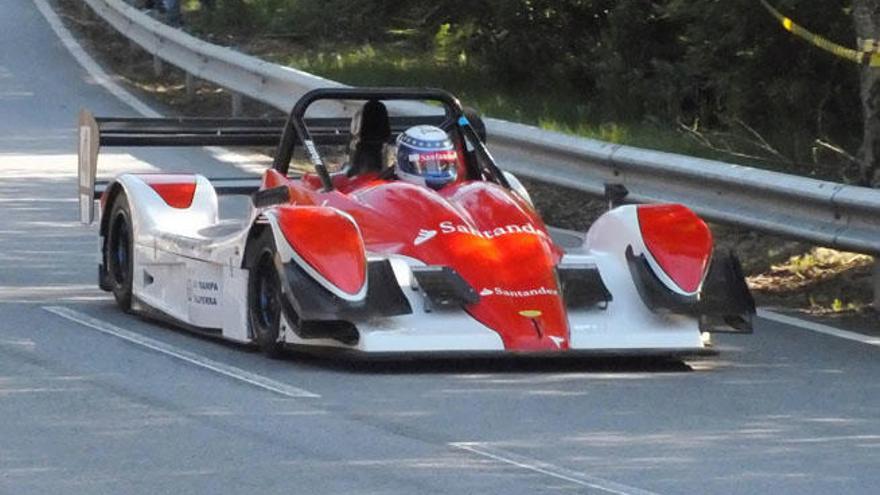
[
  {"x": 547, "y": 469},
  {"x": 90, "y": 65},
  {"x": 818, "y": 327},
  {"x": 103, "y": 79},
  {"x": 186, "y": 356}
]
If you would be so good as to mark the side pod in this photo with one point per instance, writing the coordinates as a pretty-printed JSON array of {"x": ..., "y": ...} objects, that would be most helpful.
[{"x": 724, "y": 303}]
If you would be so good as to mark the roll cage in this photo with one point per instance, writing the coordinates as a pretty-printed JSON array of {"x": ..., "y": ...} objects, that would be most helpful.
[{"x": 317, "y": 131}]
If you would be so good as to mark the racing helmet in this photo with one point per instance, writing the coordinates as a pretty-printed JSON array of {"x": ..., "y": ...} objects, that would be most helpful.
[{"x": 426, "y": 156}]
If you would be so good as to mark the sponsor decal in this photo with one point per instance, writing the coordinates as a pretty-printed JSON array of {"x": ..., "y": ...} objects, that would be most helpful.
[
  {"x": 437, "y": 156},
  {"x": 449, "y": 227},
  {"x": 207, "y": 285},
  {"x": 530, "y": 313},
  {"x": 204, "y": 300},
  {"x": 203, "y": 292},
  {"x": 424, "y": 236},
  {"x": 313, "y": 152},
  {"x": 498, "y": 291}
]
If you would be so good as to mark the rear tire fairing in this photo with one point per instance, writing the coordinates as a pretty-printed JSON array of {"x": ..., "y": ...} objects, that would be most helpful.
[{"x": 179, "y": 272}]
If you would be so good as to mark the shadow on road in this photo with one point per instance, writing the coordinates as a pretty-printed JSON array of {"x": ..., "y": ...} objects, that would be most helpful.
[{"x": 426, "y": 364}]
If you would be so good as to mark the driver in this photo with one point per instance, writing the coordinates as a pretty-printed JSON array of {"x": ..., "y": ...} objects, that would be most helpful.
[{"x": 426, "y": 156}]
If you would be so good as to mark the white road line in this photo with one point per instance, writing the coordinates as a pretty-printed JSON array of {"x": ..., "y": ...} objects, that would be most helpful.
[
  {"x": 818, "y": 327},
  {"x": 89, "y": 64},
  {"x": 100, "y": 76},
  {"x": 189, "y": 357},
  {"x": 494, "y": 453}
]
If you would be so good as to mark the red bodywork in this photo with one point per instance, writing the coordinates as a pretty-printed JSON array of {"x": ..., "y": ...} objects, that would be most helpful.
[
  {"x": 328, "y": 242},
  {"x": 491, "y": 237},
  {"x": 679, "y": 241},
  {"x": 177, "y": 190}
]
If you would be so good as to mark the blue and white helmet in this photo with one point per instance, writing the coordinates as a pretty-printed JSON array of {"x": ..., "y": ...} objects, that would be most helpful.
[{"x": 426, "y": 156}]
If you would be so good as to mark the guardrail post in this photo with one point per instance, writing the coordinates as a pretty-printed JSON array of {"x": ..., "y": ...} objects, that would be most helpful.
[
  {"x": 133, "y": 49},
  {"x": 236, "y": 104},
  {"x": 157, "y": 66},
  {"x": 877, "y": 283},
  {"x": 190, "y": 87}
]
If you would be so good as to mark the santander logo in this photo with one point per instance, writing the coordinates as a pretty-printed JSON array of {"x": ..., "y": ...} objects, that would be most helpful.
[
  {"x": 449, "y": 227},
  {"x": 498, "y": 291},
  {"x": 424, "y": 236}
]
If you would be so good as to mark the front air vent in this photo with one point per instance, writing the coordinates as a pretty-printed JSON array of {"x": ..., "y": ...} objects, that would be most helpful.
[{"x": 444, "y": 287}]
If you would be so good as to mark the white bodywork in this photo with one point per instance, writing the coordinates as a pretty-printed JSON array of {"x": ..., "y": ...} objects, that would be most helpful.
[{"x": 187, "y": 265}]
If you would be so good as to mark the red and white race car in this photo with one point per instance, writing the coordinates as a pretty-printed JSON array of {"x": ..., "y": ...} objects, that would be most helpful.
[{"x": 357, "y": 260}]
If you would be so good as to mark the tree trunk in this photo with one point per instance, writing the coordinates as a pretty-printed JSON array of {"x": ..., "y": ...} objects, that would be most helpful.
[{"x": 866, "y": 15}]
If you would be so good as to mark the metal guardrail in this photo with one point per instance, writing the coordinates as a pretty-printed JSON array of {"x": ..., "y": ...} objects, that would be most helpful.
[{"x": 821, "y": 212}]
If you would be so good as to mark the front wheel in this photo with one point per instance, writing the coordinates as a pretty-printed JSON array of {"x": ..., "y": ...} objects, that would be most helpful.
[{"x": 264, "y": 296}]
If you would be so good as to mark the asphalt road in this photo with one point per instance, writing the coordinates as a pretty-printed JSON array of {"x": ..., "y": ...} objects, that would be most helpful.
[{"x": 115, "y": 404}]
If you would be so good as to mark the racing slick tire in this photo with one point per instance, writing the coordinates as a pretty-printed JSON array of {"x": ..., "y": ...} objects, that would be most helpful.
[
  {"x": 264, "y": 296},
  {"x": 119, "y": 251}
]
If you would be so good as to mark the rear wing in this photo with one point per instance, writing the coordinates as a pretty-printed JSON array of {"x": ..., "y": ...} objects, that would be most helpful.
[{"x": 98, "y": 132}]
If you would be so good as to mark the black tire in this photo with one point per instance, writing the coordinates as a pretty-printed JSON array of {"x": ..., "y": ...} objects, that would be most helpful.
[
  {"x": 119, "y": 251},
  {"x": 264, "y": 295}
]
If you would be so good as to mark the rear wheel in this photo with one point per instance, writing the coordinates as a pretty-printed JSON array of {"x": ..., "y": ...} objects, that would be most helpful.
[
  {"x": 119, "y": 251},
  {"x": 264, "y": 296}
]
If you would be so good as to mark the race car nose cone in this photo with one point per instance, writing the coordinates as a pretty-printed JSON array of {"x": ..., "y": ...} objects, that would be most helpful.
[{"x": 519, "y": 295}]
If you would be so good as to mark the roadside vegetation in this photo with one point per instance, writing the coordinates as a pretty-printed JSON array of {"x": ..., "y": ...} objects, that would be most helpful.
[{"x": 714, "y": 79}]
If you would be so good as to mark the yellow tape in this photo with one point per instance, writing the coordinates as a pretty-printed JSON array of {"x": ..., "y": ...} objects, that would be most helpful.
[
  {"x": 866, "y": 55},
  {"x": 869, "y": 46}
]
